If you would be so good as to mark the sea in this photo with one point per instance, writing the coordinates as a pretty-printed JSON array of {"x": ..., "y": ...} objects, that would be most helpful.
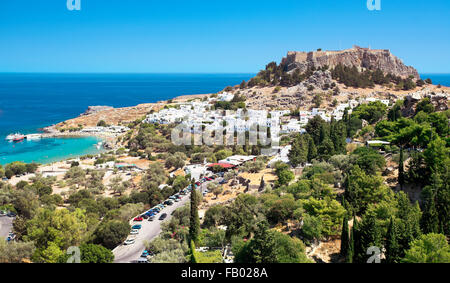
[{"x": 29, "y": 102}]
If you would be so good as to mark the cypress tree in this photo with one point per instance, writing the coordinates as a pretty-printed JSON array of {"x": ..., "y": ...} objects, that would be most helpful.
[
  {"x": 356, "y": 241},
  {"x": 344, "y": 237},
  {"x": 401, "y": 170},
  {"x": 312, "y": 150},
  {"x": 351, "y": 247},
  {"x": 262, "y": 184},
  {"x": 194, "y": 222},
  {"x": 392, "y": 245},
  {"x": 430, "y": 221},
  {"x": 193, "y": 259}
]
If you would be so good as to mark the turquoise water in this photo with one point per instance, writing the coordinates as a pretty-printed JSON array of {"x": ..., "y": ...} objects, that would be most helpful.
[{"x": 48, "y": 150}]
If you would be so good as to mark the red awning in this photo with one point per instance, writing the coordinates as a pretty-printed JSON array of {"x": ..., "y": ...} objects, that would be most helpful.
[{"x": 223, "y": 165}]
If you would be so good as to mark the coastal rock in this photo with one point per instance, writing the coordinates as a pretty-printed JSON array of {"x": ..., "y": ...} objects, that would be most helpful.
[
  {"x": 95, "y": 109},
  {"x": 362, "y": 58}
]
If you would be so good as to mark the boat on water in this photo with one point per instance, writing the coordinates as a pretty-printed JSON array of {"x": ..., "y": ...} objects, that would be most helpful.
[
  {"x": 11, "y": 137},
  {"x": 17, "y": 137}
]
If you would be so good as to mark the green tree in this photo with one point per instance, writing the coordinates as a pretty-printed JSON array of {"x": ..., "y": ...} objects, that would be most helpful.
[
  {"x": 363, "y": 189},
  {"x": 430, "y": 248},
  {"x": 299, "y": 152},
  {"x": 368, "y": 160},
  {"x": 91, "y": 253},
  {"x": 244, "y": 215},
  {"x": 154, "y": 176},
  {"x": 328, "y": 210},
  {"x": 194, "y": 221},
  {"x": 351, "y": 247},
  {"x": 53, "y": 231},
  {"x": 15, "y": 252},
  {"x": 312, "y": 228},
  {"x": 392, "y": 246},
  {"x": 345, "y": 241},
  {"x": 261, "y": 249},
  {"x": 312, "y": 150},
  {"x": 369, "y": 235},
  {"x": 112, "y": 233},
  {"x": 401, "y": 171},
  {"x": 425, "y": 105},
  {"x": 430, "y": 220}
]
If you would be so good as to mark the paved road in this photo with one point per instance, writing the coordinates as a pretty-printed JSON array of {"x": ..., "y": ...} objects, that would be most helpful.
[
  {"x": 5, "y": 226},
  {"x": 149, "y": 230}
]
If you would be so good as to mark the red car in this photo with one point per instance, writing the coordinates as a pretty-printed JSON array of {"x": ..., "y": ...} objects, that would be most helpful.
[
  {"x": 208, "y": 179},
  {"x": 138, "y": 219}
]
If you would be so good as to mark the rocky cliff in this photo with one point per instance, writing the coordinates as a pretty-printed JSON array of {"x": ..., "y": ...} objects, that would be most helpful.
[{"x": 362, "y": 58}]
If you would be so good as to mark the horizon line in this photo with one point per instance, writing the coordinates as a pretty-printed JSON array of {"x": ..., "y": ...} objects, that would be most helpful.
[{"x": 175, "y": 73}]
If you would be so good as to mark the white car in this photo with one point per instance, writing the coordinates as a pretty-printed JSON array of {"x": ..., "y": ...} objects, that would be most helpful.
[
  {"x": 134, "y": 232},
  {"x": 129, "y": 241}
]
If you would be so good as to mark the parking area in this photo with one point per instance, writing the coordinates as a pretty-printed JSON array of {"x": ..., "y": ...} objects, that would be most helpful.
[
  {"x": 5, "y": 226},
  {"x": 149, "y": 230},
  {"x": 132, "y": 250}
]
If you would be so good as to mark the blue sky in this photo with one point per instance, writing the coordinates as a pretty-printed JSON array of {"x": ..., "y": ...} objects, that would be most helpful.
[{"x": 213, "y": 36}]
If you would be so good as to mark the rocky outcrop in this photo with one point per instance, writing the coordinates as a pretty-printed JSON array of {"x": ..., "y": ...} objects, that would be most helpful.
[
  {"x": 362, "y": 58},
  {"x": 95, "y": 109},
  {"x": 319, "y": 79},
  {"x": 439, "y": 101}
]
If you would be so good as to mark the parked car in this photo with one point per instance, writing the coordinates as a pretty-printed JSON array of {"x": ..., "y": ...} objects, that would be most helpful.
[
  {"x": 145, "y": 216},
  {"x": 163, "y": 216},
  {"x": 139, "y": 218},
  {"x": 4, "y": 179},
  {"x": 223, "y": 182},
  {"x": 3, "y": 213},
  {"x": 141, "y": 260},
  {"x": 138, "y": 226},
  {"x": 11, "y": 214},
  {"x": 134, "y": 232},
  {"x": 129, "y": 241},
  {"x": 145, "y": 254},
  {"x": 151, "y": 218}
]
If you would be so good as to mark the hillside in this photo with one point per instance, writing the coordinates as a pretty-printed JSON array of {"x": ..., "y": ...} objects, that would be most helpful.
[{"x": 304, "y": 80}]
